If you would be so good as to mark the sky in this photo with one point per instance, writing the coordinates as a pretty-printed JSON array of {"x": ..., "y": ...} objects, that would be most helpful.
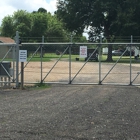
[{"x": 8, "y": 7}]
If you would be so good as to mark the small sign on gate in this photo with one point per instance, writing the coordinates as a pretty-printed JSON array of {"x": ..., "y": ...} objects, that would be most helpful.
[
  {"x": 22, "y": 55},
  {"x": 83, "y": 51}
]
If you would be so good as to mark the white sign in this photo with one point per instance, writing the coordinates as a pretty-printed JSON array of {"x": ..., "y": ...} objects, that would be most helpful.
[
  {"x": 22, "y": 55},
  {"x": 83, "y": 51}
]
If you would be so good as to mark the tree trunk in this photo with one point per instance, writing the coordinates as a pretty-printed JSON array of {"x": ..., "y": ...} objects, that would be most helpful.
[{"x": 109, "y": 56}]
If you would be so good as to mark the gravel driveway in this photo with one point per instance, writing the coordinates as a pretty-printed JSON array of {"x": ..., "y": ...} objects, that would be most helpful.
[{"x": 71, "y": 112}]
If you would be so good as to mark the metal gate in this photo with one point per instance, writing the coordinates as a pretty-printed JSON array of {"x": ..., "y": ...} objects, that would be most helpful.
[
  {"x": 66, "y": 67},
  {"x": 7, "y": 65}
]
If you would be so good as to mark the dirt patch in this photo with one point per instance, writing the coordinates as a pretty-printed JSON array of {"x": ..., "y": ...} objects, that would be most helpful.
[
  {"x": 61, "y": 72},
  {"x": 70, "y": 112}
]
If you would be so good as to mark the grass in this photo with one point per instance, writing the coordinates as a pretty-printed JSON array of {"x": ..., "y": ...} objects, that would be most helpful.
[
  {"x": 123, "y": 59},
  {"x": 50, "y": 56},
  {"x": 37, "y": 86},
  {"x": 41, "y": 85}
]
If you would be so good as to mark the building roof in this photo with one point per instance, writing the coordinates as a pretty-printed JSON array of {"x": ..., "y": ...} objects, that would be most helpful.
[{"x": 6, "y": 40}]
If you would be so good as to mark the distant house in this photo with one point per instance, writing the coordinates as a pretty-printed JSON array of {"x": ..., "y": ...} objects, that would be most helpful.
[{"x": 5, "y": 49}]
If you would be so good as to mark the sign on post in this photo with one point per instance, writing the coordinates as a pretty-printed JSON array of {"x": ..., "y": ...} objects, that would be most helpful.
[
  {"x": 83, "y": 51},
  {"x": 22, "y": 55}
]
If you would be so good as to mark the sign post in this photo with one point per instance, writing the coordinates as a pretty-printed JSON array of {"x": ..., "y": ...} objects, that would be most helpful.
[{"x": 22, "y": 59}]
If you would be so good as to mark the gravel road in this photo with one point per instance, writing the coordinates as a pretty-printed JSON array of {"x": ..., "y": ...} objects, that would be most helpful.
[{"x": 70, "y": 112}]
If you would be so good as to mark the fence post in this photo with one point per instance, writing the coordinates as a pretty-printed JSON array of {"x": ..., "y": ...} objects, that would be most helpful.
[
  {"x": 70, "y": 59},
  {"x": 14, "y": 59},
  {"x": 131, "y": 60},
  {"x": 22, "y": 75},
  {"x": 17, "y": 59},
  {"x": 41, "y": 56},
  {"x": 100, "y": 82}
]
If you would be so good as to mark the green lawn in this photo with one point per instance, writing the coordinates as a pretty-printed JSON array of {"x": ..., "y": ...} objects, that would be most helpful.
[
  {"x": 123, "y": 59},
  {"x": 51, "y": 56}
]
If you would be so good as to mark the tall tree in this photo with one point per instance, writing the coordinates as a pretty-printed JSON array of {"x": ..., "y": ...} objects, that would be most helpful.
[
  {"x": 42, "y": 10},
  {"x": 22, "y": 22},
  {"x": 39, "y": 24},
  {"x": 56, "y": 30},
  {"x": 102, "y": 16},
  {"x": 131, "y": 18},
  {"x": 19, "y": 21},
  {"x": 7, "y": 26}
]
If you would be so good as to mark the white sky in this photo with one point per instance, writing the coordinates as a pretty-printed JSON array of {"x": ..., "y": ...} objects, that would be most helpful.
[{"x": 7, "y": 7}]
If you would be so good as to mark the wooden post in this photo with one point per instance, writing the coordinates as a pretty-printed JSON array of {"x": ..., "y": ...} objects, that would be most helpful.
[{"x": 22, "y": 75}]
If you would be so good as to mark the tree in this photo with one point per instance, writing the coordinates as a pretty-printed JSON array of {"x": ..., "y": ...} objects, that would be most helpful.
[
  {"x": 22, "y": 22},
  {"x": 102, "y": 16},
  {"x": 56, "y": 30},
  {"x": 39, "y": 24},
  {"x": 7, "y": 26},
  {"x": 42, "y": 10},
  {"x": 130, "y": 18}
]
